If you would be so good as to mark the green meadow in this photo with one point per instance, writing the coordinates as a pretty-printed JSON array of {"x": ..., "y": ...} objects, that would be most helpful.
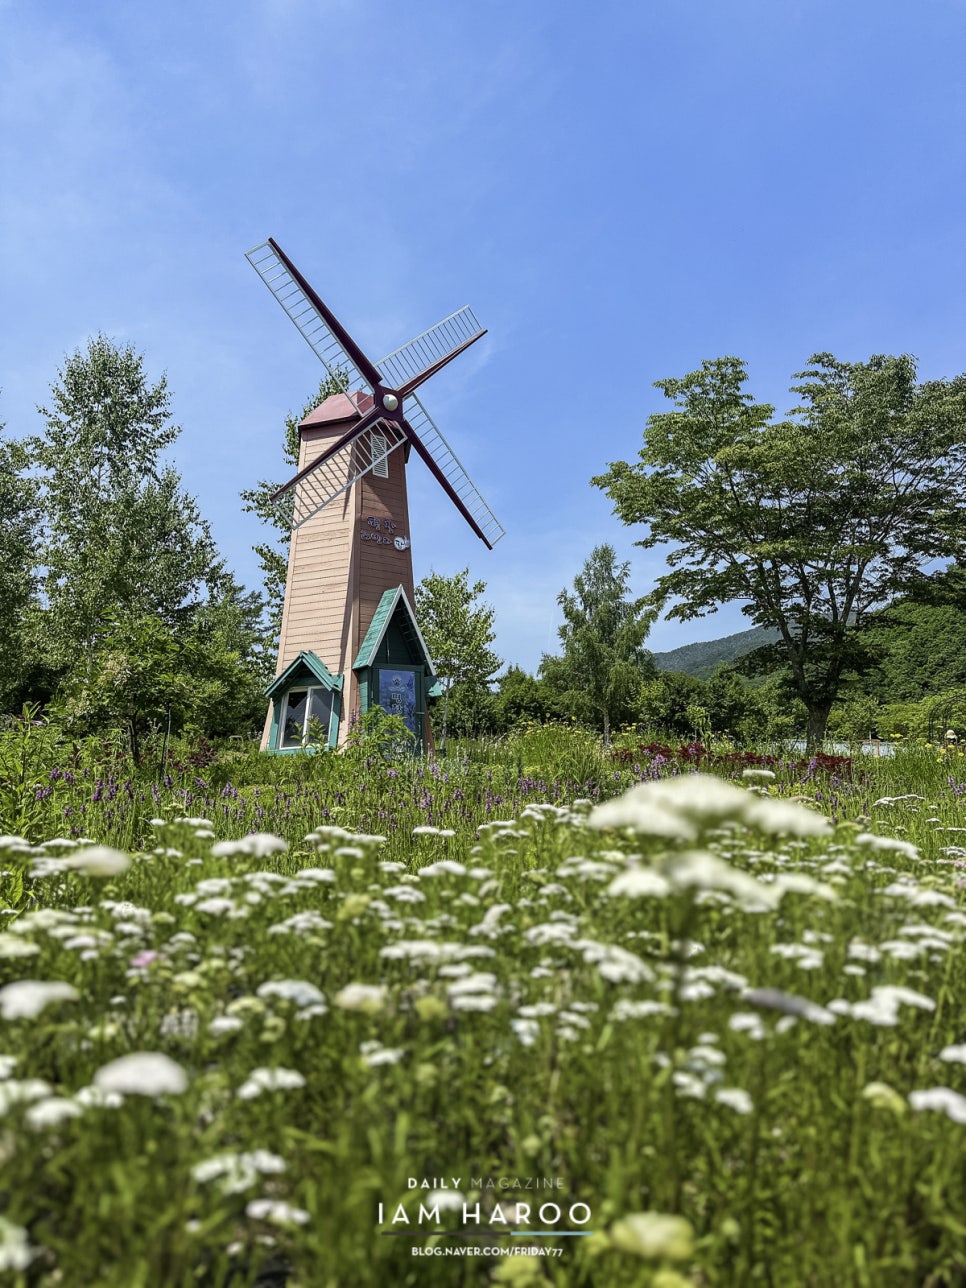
[{"x": 536, "y": 1013}]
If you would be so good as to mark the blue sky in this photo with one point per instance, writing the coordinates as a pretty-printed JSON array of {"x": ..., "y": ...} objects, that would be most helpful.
[{"x": 619, "y": 190}]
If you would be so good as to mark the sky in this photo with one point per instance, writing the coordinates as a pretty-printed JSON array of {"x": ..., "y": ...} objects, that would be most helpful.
[{"x": 620, "y": 190}]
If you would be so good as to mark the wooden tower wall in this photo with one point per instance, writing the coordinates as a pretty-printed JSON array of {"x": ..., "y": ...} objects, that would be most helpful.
[{"x": 338, "y": 569}]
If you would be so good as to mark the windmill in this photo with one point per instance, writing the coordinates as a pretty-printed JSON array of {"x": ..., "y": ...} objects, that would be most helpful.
[{"x": 349, "y": 639}]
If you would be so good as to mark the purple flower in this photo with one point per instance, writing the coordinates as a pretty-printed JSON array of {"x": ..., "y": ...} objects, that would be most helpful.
[{"x": 146, "y": 957}]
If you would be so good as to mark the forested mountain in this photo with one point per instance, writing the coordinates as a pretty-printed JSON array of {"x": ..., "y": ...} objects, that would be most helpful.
[
  {"x": 921, "y": 648},
  {"x": 703, "y": 659}
]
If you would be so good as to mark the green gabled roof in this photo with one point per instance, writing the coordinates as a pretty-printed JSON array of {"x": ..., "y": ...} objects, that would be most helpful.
[
  {"x": 304, "y": 662},
  {"x": 393, "y": 604}
]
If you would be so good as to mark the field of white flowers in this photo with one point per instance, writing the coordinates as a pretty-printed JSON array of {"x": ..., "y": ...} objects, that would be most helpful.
[{"x": 724, "y": 1030}]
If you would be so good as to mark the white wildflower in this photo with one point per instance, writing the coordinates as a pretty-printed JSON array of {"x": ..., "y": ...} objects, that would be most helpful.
[
  {"x": 747, "y": 1022},
  {"x": 640, "y": 882},
  {"x": 882, "y": 1008},
  {"x": 375, "y": 1054},
  {"x": 277, "y": 1079},
  {"x": 51, "y": 1111},
  {"x": 629, "y": 1009},
  {"x": 21, "y": 1092},
  {"x": 238, "y": 1172},
  {"x": 276, "y": 1212},
  {"x": 735, "y": 1098},
  {"x": 873, "y": 842},
  {"x": 861, "y": 952},
  {"x": 16, "y": 946},
  {"x": 683, "y": 807},
  {"x": 799, "y": 883},
  {"x": 445, "y": 1200},
  {"x": 25, "y": 999},
  {"x": 225, "y": 1024},
  {"x": 777, "y": 817},
  {"x": 99, "y": 861},
  {"x": 709, "y": 872},
  {"x": 215, "y": 907},
  {"x": 527, "y": 1031},
  {"x": 145, "y": 1073},
  {"x": 615, "y": 964},
  {"x": 98, "y": 1098},
  {"x": 954, "y": 1054},
  {"x": 259, "y": 844},
  {"x": 298, "y": 991},
  {"x": 942, "y": 1099},
  {"x": 15, "y": 1250},
  {"x": 368, "y": 998},
  {"x": 477, "y": 982}
]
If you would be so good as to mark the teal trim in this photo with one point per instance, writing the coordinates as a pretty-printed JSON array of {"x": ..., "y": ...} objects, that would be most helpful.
[
  {"x": 306, "y": 669},
  {"x": 395, "y": 610},
  {"x": 377, "y": 628},
  {"x": 334, "y": 718}
]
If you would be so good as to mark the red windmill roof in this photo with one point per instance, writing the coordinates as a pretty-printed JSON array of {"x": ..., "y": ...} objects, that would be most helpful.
[{"x": 338, "y": 407}]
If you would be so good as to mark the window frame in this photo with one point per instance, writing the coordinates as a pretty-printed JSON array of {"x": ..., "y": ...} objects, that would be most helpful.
[{"x": 307, "y": 689}]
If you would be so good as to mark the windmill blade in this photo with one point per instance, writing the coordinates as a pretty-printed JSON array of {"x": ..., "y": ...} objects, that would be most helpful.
[
  {"x": 442, "y": 462},
  {"x": 323, "y": 332},
  {"x": 406, "y": 368},
  {"x": 335, "y": 471},
  {"x": 368, "y": 419}
]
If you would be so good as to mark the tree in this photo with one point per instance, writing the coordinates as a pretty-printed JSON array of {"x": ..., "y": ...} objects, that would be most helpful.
[
  {"x": 18, "y": 544},
  {"x": 121, "y": 539},
  {"x": 273, "y": 555},
  {"x": 458, "y": 631},
  {"x": 813, "y": 522},
  {"x": 668, "y": 699},
  {"x": 521, "y": 698},
  {"x": 604, "y": 661},
  {"x": 141, "y": 620},
  {"x": 147, "y": 671}
]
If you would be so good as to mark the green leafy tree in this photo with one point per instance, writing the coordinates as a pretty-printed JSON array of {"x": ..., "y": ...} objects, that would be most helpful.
[
  {"x": 813, "y": 522},
  {"x": 604, "y": 662},
  {"x": 668, "y": 699},
  {"x": 522, "y": 698},
  {"x": 273, "y": 554},
  {"x": 121, "y": 539},
  {"x": 458, "y": 630},
  {"x": 141, "y": 619},
  {"x": 18, "y": 550},
  {"x": 148, "y": 672}
]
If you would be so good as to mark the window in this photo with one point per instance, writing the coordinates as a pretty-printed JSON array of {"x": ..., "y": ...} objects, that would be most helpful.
[
  {"x": 301, "y": 709},
  {"x": 380, "y": 455}
]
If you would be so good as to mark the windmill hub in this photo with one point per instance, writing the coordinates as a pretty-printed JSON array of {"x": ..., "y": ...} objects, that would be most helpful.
[{"x": 390, "y": 402}]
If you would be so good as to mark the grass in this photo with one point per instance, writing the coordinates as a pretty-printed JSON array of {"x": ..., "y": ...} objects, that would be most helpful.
[{"x": 702, "y": 1050}]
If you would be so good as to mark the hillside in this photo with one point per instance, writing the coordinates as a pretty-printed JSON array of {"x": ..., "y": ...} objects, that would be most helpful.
[{"x": 702, "y": 659}]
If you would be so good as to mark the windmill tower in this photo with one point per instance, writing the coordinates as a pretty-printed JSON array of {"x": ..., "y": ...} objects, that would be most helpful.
[{"x": 349, "y": 640}]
